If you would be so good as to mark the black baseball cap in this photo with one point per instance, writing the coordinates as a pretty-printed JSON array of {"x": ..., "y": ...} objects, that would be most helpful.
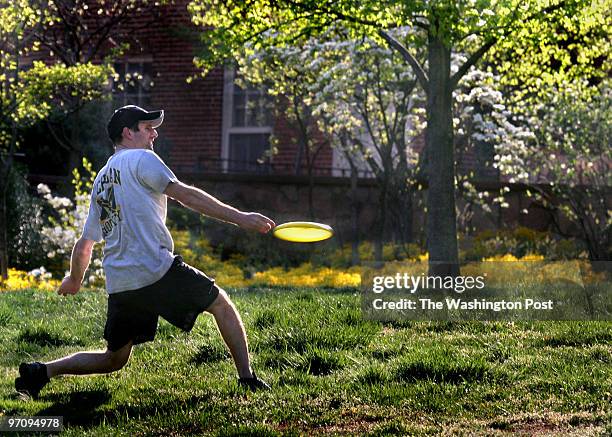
[{"x": 128, "y": 116}]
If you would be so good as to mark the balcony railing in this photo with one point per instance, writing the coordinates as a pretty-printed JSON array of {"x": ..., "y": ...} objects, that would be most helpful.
[{"x": 229, "y": 166}]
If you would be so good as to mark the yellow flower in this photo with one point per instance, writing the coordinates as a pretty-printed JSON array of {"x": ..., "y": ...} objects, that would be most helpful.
[
  {"x": 20, "y": 280},
  {"x": 532, "y": 257},
  {"x": 306, "y": 275}
]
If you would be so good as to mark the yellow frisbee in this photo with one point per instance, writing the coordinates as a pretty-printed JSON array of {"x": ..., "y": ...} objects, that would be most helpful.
[{"x": 303, "y": 232}]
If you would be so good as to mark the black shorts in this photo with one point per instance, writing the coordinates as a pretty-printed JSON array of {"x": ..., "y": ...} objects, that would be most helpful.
[{"x": 179, "y": 297}]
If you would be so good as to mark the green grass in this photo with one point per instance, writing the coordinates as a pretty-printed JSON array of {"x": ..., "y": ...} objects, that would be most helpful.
[{"x": 332, "y": 372}]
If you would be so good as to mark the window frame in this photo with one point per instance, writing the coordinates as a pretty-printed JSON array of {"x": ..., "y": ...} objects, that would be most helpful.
[
  {"x": 227, "y": 118},
  {"x": 140, "y": 60}
]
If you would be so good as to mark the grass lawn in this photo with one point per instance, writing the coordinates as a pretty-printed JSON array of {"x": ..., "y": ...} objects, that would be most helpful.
[{"x": 332, "y": 372}]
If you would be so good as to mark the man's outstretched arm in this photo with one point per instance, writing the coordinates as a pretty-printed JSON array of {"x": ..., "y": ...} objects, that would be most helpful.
[
  {"x": 204, "y": 203},
  {"x": 79, "y": 261}
]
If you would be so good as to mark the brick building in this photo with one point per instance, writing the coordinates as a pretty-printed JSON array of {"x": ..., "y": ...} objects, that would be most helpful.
[
  {"x": 215, "y": 132},
  {"x": 211, "y": 124}
]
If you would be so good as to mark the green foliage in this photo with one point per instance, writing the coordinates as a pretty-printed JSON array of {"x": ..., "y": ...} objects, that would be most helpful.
[
  {"x": 535, "y": 41},
  {"x": 522, "y": 241},
  {"x": 45, "y": 87},
  {"x": 565, "y": 161},
  {"x": 567, "y": 43},
  {"x": 342, "y": 257},
  {"x": 251, "y": 252},
  {"x": 30, "y": 94},
  {"x": 549, "y": 34}
]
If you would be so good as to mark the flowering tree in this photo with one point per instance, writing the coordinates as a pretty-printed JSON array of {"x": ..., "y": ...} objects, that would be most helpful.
[
  {"x": 68, "y": 220},
  {"x": 369, "y": 107},
  {"x": 566, "y": 162},
  {"x": 354, "y": 94},
  {"x": 536, "y": 28},
  {"x": 487, "y": 126}
]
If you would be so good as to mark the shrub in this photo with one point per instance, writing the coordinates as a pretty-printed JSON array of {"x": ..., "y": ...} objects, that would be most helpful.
[
  {"x": 520, "y": 242},
  {"x": 341, "y": 257},
  {"x": 65, "y": 224},
  {"x": 24, "y": 224}
]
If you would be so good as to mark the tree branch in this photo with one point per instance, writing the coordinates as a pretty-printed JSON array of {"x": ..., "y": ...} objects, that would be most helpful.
[
  {"x": 414, "y": 63},
  {"x": 474, "y": 57}
]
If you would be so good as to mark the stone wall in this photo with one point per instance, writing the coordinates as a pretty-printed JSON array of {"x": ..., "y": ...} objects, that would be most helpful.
[{"x": 286, "y": 199}]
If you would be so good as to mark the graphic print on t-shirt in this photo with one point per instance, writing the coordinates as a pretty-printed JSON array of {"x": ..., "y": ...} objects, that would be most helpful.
[{"x": 110, "y": 211}]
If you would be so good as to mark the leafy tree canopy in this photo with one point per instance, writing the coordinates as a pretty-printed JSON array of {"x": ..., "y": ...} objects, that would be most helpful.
[
  {"x": 30, "y": 91},
  {"x": 531, "y": 42}
]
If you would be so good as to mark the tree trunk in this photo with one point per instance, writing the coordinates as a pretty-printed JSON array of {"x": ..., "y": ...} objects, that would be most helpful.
[
  {"x": 380, "y": 226},
  {"x": 405, "y": 217},
  {"x": 355, "y": 260},
  {"x": 3, "y": 229},
  {"x": 441, "y": 215},
  {"x": 297, "y": 166},
  {"x": 311, "y": 212},
  {"x": 6, "y": 166},
  {"x": 76, "y": 152}
]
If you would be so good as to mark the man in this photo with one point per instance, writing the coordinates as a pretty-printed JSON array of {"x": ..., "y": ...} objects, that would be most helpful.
[{"x": 144, "y": 279}]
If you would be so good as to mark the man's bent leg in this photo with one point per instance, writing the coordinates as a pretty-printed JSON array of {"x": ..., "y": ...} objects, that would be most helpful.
[
  {"x": 232, "y": 330},
  {"x": 85, "y": 363}
]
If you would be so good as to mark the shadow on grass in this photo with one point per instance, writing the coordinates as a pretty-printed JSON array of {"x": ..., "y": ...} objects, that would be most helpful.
[
  {"x": 209, "y": 353},
  {"x": 6, "y": 316},
  {"x": 83, "y": 409},
  {"x": 442, "y": 371},
  {"x": 77, "y": 408},
  {"x": 576, "y": 339},
  {"x": 320, "y": 362},
  {"x": 316, "y": 362},
  {"x": 42, "y": 337},
  {"x": 302, "y": 339}
]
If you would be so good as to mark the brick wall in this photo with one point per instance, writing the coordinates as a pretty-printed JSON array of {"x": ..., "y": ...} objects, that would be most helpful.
[
  {"x": 192, "y": 124},
  {"x": 192, "y": 129}
]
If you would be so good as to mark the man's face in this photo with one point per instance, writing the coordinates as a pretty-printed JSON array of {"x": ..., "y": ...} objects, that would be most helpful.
[
  {"x": 144, "y": 138},
  {"x": 146, "y": 134}
]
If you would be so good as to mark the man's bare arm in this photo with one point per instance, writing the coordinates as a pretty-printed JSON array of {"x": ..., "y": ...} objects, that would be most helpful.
[
  {"x": 202, "y": 202},
  {"x": 79, "y": 261}
]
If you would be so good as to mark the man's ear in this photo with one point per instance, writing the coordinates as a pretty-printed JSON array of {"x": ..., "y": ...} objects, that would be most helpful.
[{"x": 127, "y": 133}]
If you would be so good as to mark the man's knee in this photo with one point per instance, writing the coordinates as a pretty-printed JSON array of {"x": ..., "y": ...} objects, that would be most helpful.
[
  {"x": 221, "y": 303},
  {"x": 115, "y": 360}
]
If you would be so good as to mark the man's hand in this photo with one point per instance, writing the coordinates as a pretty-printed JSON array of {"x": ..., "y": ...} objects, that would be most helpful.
[
  {"x": 69, "y": 286},
  {"x": 253, "y": 221}
]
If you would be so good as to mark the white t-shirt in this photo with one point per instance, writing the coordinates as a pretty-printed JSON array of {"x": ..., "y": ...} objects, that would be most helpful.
[{"x": 128, "y": 211}]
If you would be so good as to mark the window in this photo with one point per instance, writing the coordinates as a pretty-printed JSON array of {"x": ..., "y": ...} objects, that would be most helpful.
[
  {"x": 133, "y": 82},
  {"x": 247, "y": 125},
  {"x": 246, "y": 151}
]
